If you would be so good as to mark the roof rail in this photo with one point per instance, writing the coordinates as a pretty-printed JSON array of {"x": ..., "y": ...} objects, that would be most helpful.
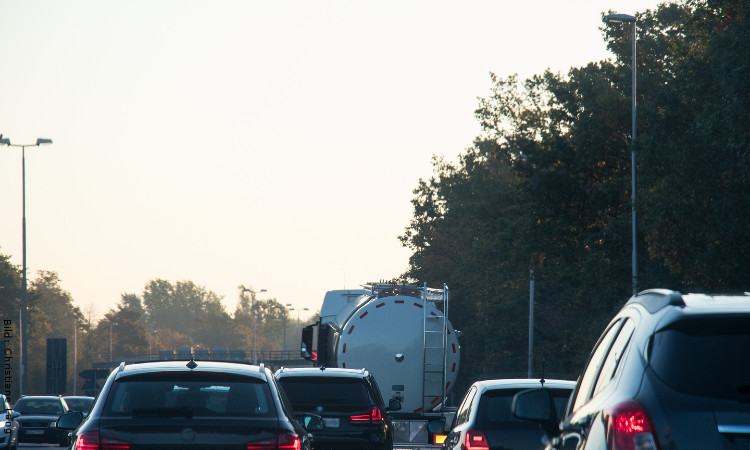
[
  {"x": 121, "y": 367},
  {"x": 655, "y": 299}
]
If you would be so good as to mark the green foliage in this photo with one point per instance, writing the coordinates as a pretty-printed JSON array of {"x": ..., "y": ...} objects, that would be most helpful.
[{"x": 546, "y": 186}]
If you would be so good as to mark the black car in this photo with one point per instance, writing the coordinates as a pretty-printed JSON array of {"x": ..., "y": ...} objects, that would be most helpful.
[
  {"x": 190, "y": 405},
  {"x": 670, "y": 371},
  {"x": 34, "y": 419},
  {"x": 484, "y": 420},
  {"x": 348, "y": 400},
  {"x": 79, "y": 403}
]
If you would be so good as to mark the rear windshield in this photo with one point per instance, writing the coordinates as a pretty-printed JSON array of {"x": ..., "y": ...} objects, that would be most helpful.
[
  {"x": 79, "y": 404},
  {"x": 338, "y": 392},
  {"x": 494, "y": 406},
  {"x": 707, "y": 357},
  {"x": 189, "y": 394}
]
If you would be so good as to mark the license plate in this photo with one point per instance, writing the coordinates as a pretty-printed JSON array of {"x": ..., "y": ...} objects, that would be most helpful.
[
  {"x": 331, "y": 422},
  {"x": 34, "y": 431}
]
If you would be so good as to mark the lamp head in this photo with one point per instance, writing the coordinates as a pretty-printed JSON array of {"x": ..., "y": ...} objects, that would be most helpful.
[
  {"x": 5, "y": 141},
  {"x": 620, "y": 18},
  {"x": 42, "y": 141}
]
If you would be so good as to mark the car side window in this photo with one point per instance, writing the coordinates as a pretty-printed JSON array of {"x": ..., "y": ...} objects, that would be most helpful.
[
  {"x": 463, "y": 411},
  {"x": 594, "y": 366},
  {"x": 615, "y": 355}
]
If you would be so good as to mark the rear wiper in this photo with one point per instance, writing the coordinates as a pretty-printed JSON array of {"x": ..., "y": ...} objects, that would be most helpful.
[{"x": 164, "y": 412}]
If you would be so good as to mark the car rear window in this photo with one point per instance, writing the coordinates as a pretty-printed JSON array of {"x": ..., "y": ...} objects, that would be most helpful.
[
  {"x": 494, "y": 406},
  {"x": 189, "y": 394},
  {"x": 329, "y": 392},
  {"x": 706, "y": 357}
]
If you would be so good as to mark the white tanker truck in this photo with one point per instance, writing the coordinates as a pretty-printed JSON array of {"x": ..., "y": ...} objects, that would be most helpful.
[{"x": 401, "y": 334}]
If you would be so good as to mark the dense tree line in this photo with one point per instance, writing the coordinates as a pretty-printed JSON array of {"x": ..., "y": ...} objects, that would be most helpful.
[
  {"x": 546, "y": 187},
  {"x": 166, "y": 316}
]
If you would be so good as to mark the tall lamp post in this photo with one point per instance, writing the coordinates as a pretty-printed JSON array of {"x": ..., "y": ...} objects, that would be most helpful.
[
  {"x": 24, "y": 287},
  {"x": 298, "y": 311},
  {"x": 627, "y": 18},
  {"x": 110, "y": 339},
  {"x": 283, "y": 347},
  {"x": 255, "y": 320}
]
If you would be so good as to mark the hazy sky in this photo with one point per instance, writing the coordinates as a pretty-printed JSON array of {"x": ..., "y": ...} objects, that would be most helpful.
[{"x": 273, "y": 144}]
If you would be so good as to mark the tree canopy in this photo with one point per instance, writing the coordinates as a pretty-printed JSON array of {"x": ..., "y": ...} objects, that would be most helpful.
[{"x": 546, "y": 187}]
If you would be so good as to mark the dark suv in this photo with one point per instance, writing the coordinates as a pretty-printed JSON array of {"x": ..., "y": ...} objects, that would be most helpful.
[
  {"x": 190, "y": 405},
  {"x": 348, "y": 400},
  {"x": 670, "y": 371}
]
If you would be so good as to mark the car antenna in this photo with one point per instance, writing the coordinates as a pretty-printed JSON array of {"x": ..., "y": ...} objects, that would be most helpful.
[
  {"x": 191, "y": 364},
  {"x": 542, "y": 380}
]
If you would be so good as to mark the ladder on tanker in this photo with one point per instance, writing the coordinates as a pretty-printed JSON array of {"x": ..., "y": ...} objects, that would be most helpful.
[{"x": 435, "y": 329}]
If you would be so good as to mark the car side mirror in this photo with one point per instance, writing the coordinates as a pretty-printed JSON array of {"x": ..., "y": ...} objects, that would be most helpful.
[
  {"x": 436, "y": 427},
  {"x": 537, "y": 405},
  {"x": 394, "y": 405},
  {"x": 14, "y": 414},
  {"x": 70, "y": 421},
  {"x": 312, "y": 422}
]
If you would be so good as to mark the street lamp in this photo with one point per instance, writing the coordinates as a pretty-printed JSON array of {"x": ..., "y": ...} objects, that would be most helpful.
[
  {"x": 110, "y": 339},
  {"x": 255, "y": 320},
  {"x": 283, "y": 347},
  {"x": 626, "y": 18},
  {"x": 298, "y": 311},
  {"x": 24, "y": 288}
]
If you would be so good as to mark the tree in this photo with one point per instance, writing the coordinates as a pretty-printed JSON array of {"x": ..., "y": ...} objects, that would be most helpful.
[{"x": 546, "y": 186}]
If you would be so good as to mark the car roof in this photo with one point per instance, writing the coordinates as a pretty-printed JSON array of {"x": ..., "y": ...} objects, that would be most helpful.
[
  {"x": 654, "y": 300},
  {"x": 192, "y": 366},
  {"x": 523, "y": 383},
  {"x": 320, "y": 372}
]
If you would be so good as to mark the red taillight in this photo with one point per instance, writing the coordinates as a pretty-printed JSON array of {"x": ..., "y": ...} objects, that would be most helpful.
[
  {"x": 289, "y": 441},
  {"x": 90, "y": 440},
  {"x": 284, "y": 441},
  {"x": 374, "y": 416},
  {"x": 630, "y": 428},
  {"x": 475, "y": 440}
]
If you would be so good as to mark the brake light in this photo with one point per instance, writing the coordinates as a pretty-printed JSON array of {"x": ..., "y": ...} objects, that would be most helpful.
[
  {"x": 90, "y": 440},
  {"x": 284, "y": 441},
  {"x": 630, "y": 428},
  {"x": 289, "y": 441},
  {"x": 475, "y": 440},
  {"x": 374, "y": 416}
]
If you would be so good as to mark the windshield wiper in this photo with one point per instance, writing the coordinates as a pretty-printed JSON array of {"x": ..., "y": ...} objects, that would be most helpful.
[{"x": 164, "y": 412}]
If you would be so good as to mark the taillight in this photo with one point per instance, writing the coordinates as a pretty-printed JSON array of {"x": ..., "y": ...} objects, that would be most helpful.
[
  {"x": 284, "y": 441},
  {"x": 475, "y": 440},
  {"x": 90, "y": 440},
  {"x": 629, "y": 427},
  {"x": 373, "y": 416},
  {"x": 289, "y": 441}
]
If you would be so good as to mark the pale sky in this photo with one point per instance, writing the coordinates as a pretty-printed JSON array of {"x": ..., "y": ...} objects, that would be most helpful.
[{"x": 273, "y": 144}]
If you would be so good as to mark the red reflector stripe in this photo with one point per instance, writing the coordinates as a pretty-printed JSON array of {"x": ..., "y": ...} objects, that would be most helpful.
[
  {"x": 452, "y": 345},
  {"x": 418, "y": 305},
  {"x": 352, "y": 329},
  {"x": 434, "y": 400},
  {"x": 433, "y": 313},
  {"x": 344, "y": 349},
  {"x": 380, "y": 304},
  {"x": 447, "y": 384},
  {"x": 453, "y": 369},
  {"x": 399, "y": 301},
  {"x": 343, "y": 365},
  {"x": 363, "y": 315}
]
